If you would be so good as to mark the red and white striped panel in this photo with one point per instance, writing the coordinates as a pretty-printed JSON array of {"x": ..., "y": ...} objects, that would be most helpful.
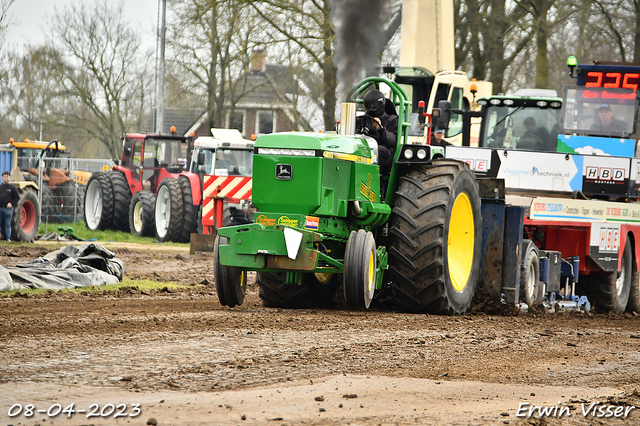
[
  {"x": 238, "y": 187},
  {"x": 235, "y": 187}
]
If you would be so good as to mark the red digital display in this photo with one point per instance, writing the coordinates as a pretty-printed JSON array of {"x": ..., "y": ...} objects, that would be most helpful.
[
  {"x": 613, "y": 80},
  {"x": 603, "y": 94}
]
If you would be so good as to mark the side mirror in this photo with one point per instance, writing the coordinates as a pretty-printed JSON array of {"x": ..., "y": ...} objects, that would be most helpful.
[
  {"x": 445, "y": 114},
  {"x": 201, "y": 158}
]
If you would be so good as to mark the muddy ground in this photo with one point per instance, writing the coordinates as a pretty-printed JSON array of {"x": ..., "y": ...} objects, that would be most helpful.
[{"x": 189, "y": 361}]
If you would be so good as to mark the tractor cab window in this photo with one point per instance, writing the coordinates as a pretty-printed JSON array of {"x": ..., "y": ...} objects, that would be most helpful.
[
  {"x": 205, "y": 167},
  {"x": 455, "y": 122},
  {"x": 167, "y": 153},
  {"x": 127, "y": 150},
  {"x": 595, "y": 111},
  {"x": 233, "y": 162},
  {"x": 28, "y": 158},
  {"x": 521, "y": 127}
]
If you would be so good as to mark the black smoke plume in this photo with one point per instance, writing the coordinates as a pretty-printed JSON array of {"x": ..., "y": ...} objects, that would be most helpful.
[{"x": 360, "y": 39}]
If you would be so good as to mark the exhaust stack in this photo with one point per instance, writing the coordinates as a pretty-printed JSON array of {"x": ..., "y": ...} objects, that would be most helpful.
[{"x": 348, "y": 119}]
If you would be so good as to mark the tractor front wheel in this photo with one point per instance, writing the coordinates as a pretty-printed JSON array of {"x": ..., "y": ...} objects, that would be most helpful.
[
  {"x": 141, "y": 214},
  {"x": 435, "y": 238},
  {"x": 360, "y": 265},
  {"x": 231, "y": 282}
]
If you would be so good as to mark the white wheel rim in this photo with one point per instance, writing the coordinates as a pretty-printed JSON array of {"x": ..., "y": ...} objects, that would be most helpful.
[
  {"x": 620, "y": 280},
  {"x": 163, "y": 211},
  {"x": 137, "y": 216},
  {"x": 531, "y": 283},
  {"x": 93, "y": 205}
]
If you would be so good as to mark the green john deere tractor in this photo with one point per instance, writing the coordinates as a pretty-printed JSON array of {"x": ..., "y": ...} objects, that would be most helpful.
[{"x": 327, "y": 217}]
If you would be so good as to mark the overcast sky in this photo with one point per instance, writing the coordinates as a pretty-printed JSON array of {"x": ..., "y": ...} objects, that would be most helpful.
[{"x": 34, "y": 16}]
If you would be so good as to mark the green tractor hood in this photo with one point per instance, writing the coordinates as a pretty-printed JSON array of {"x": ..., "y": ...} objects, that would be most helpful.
[{"x": 313, "y": 173}]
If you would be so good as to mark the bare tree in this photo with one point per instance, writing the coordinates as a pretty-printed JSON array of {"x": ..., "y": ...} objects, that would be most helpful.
[
  {"x": 100, "y": 66},
  {"x": 212, "y": 42},
  {"x": 308, "y": 25}
]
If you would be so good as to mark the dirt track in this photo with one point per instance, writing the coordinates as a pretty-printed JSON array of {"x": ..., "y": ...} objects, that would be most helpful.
[{"x": 189, "y": 361}]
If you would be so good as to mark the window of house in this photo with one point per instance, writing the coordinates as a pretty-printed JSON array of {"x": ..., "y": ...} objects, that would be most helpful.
[
  {"x": 236, "y": 121},
  {"x": 266, "y": 122}
]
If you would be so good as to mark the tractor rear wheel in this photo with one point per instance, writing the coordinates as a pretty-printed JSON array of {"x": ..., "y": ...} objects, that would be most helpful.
[
  {"x": 98, "y": 202},
  {"x": 25, "y": 221},
  {"x": 121, "y": 200},
  {"x": 314, "y": 290},
  {"x": 231, "y": 282},
  {"x": 435, "y": 238},
  {"x": 66, "y": 197},
  {"x": 142, "y": 221},
  {"x": 190, "y": 222},
  {"x": 360, "y": 265},
  {"x": 169, "y": 211},
  {"x": 611, "y": 290},
  {"x": 46, "y": 207}
]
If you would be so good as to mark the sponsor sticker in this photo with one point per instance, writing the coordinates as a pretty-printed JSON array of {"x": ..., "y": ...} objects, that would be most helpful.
[
  {"x": 265, "y": 221},
  {"x": 311, "y": 222},
  {"x": 284, "y": 220}
]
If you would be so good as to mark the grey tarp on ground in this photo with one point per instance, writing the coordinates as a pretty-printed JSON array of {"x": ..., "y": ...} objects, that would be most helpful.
[{"x": 82, "y": 266}]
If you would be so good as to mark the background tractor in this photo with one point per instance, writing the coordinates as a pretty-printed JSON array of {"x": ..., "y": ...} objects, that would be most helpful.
[
  {"x": 151, "y": 194},
  {"x": 328, "y": 218},
  {"x": 147, "y": 160},
  {"x": 62, "y": 190},
  {"x": 25, "y": 221}
]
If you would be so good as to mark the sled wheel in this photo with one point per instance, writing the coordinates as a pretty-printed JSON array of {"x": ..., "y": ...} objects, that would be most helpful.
[
  {"x": 98, "y": 202},
  {"x": 530, "y": 285},
  {"x": 169, "y": 211},
  {"x": 360, "y": 265},
  {"x": 142, "y": 214},
  {"x": 121, "y": 200},
  {"x": 612, "y": 289},
  {"x": 25, "y": 221},
  {"x": 231, "y": 282},
  {"x": 435, "y": 238},
  {"x": 634, "y": 294}
]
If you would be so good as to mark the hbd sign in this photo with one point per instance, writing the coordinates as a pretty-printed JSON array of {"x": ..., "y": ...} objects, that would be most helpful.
[{"x": 604, "y": 173}]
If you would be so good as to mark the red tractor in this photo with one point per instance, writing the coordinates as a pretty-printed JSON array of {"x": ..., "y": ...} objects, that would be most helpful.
[
  {"x": 125, "y": 198},
  {"x": 150, "y": 192}
]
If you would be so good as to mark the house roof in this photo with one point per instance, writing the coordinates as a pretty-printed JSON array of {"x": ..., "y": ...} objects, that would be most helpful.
[
  {"x": 183, "y": 119},
  {"x": 267, "y": 87}
]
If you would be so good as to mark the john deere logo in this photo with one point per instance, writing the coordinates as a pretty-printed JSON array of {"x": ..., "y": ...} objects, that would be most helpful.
[{"x": 284, "y": 171}]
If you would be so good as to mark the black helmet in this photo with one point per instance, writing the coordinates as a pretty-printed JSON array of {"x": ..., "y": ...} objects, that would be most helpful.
[{"x": 374, "y": 103}]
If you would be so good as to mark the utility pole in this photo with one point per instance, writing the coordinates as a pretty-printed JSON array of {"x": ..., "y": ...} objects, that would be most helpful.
[{"x": 160, "y": 69}]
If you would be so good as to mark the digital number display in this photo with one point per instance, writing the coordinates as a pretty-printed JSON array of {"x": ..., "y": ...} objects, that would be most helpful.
[{"x": 612, "y": 80}]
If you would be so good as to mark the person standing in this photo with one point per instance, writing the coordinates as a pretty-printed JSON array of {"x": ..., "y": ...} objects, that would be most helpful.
[{"x": 9, "y": 198}]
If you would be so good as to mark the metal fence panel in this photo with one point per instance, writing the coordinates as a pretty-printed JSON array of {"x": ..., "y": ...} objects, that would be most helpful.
[{"x": 62, "y": 183}]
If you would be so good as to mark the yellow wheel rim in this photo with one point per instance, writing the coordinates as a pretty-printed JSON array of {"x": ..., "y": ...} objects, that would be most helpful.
[
  {"x": 242, "y": 279},
  {"x": 371, "y": 271},
  {"x": 323, "y": 277},
  {"x": 461, "y": 242}
]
